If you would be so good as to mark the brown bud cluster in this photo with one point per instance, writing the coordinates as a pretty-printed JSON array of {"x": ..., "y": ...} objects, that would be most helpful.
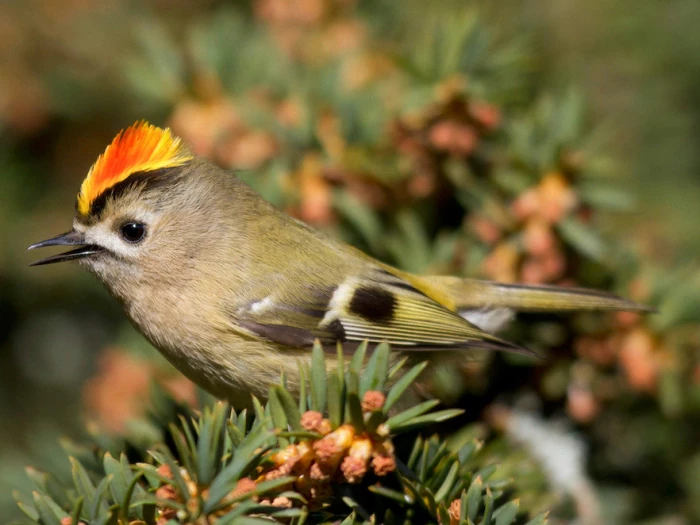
[
  {"x": 169, "y": 493},
  {"x": 373, "y": 400},
  {"x": 454, "y": 511},
  {"x": 243, "y": 487},
  {"x": 526, "y": 247},
  {"x": 312, "y": 31},
  {"x": 629, "y": 348},
  {"x": 315, "y": 422},
  {"x": 342, "y": 455},
  {"x": 354, "y": 464},
  {"x": 115, "y": 395},
  {"x": 315, "y": 191},
  {"x": 454, "y": 137},
  {"x": 212, "y": 126},
  {"x": 453, "y": 126},
  {"x": 69, "y": 521}
]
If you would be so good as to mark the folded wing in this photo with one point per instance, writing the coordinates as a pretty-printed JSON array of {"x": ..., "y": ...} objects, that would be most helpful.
[{"x": 376, "y": 307}]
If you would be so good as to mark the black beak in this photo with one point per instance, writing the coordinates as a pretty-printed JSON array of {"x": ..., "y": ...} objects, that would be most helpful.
[{"x": 71, "y": 238}]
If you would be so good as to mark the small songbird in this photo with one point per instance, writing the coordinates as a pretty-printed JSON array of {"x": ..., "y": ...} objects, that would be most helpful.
[{"x": 234, "y": 292}]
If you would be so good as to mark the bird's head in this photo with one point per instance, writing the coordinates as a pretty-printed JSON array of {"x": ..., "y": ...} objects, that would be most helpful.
[{"x": 134, "y": 207}]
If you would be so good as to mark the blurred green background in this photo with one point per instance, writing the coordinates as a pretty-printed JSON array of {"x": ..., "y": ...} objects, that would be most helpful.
[{"x": 421, "y": 132}]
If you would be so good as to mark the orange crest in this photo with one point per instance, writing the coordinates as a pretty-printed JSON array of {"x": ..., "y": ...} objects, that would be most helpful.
[{"x": 140, "y": 147}]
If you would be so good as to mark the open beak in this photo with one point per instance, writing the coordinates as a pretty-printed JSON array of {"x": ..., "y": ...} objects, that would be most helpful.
[{"x": 71, "y": 238}]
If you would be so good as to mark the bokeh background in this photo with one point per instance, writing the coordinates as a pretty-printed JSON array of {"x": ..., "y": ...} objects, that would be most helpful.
[{"x": 543, "y": 141}]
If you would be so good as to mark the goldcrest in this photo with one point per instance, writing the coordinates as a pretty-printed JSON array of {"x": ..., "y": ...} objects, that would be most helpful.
[{"x": 234, "y": 292}]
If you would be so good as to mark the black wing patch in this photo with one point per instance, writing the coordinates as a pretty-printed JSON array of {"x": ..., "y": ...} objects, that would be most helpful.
[{"x": 373, "y": 303}]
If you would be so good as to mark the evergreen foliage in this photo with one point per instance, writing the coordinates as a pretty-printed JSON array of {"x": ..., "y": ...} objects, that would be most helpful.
[
  {"x": 431, "y": 139},
  {"x": 327, "y": 458}
]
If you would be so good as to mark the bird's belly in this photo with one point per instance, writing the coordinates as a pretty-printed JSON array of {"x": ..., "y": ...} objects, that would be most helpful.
[{"x": 231, "y": 367}]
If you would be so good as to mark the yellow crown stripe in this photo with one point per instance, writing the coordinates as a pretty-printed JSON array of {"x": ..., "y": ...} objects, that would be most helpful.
[{"x": 138, "y": 148}]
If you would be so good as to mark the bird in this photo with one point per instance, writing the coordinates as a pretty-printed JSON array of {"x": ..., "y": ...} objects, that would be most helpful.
[{"x": 234, "y": 292}]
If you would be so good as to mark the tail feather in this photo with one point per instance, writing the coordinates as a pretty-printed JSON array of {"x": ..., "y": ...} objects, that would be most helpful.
[
  {"x": 470, "y": 294},
  {"x": 498, "y": 345}
]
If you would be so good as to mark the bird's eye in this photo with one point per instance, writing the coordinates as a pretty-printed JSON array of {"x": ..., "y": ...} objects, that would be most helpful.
[{"x": 133, "y": 232}]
